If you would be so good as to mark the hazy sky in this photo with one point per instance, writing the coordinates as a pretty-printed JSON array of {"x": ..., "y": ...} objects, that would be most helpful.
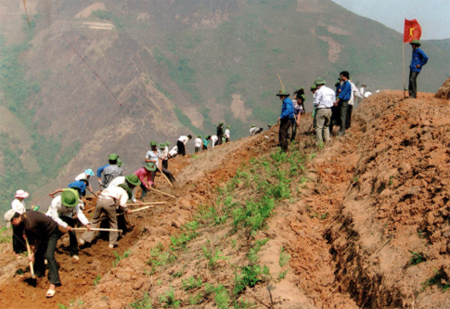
[{"x": 432, "y": 15}]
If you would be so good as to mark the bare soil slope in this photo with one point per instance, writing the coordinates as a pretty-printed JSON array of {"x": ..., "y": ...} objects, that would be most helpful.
[{"x": 362, "y": 222}]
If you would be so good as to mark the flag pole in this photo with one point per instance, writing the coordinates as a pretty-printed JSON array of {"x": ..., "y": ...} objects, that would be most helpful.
[{"x": 404, "y": 95}]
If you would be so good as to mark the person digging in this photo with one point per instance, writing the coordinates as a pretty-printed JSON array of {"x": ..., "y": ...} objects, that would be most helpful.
[{"x": 43, "y": 233}]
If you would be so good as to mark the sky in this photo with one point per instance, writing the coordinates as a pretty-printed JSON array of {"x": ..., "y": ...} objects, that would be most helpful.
[{"x": 432, "y": 15}]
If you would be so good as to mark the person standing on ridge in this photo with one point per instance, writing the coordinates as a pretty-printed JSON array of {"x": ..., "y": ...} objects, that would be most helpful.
[
  {"x": 418, "y": 60},
  {"x": 18, "y": 206},
  {"x": 255, "y": 130},
  {"x": 214, "y": 140},
  {"x": 227, "y": 134},
  {"x": 286, "y": 118},
  {"x": 342, "y": 100},
  {"x": 299, "y": 108},
  {"x": 323, "y": 101},
  {"x": 110, "y": 172},
  {"x": 181, "y": 144},
  {"x": 220, "y": 133},
  {"x": 205, "y": 143}
]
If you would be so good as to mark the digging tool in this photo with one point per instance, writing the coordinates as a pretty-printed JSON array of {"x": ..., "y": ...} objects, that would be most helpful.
[
  {"x": 145, "y": 204},
  {"x": 135, "y": 210},
  {"x": 93, "y": 193},
  {"x": 170, "y": 183},
  {"x": 282, "y": 87},
  {"x": 96, "y": 229},
  {"x": 29, "y": 254},
  {"x": 163, "y": 193}
]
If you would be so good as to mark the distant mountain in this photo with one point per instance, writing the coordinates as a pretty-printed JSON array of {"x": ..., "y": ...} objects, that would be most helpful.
[{"x": 90, "y": 79}]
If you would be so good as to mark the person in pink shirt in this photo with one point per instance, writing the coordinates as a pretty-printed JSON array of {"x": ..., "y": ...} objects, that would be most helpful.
[{"x": 145, "y": 176}]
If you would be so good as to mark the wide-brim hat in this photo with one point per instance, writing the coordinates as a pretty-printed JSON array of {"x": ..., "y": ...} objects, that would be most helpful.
[
  {"x": 282, "y": 92},
  {"x": 9, "y": 215},
  {"x": 150, "y": 166},
  {"x": 119, "y": 163},
  {"x": 319, "y": 81},
  {"x": 89, "y": 172},
  {"x": 153, "y": 143},
  {"x": 168, "y": 143},
  {"x": 415, "y": 42},
  {"x": 133, "y": 180},
  {"x": 69, "y": 198},
  {"x": 113, "y": 157},
  {"x": 21, "y": 194},
  {"x": 162, "y": 146}
]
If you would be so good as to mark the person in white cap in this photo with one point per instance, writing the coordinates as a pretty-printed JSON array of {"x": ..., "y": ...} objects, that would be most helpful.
[
  {"x": 85, "y": 176},
  {"x": 18, "y": 205}
]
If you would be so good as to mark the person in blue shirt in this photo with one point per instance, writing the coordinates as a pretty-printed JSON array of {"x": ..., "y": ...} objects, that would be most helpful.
[
  {"x": 342, "y": 100},
  {"x": 286, "y": 118},
  {"x": 418, "y": 60}
]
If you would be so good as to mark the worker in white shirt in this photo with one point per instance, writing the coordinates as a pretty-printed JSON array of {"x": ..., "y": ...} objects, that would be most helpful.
[
  {"x": 62, "y": 210},
  {"x": 198, "y": 143},
  {"x": 351, "y": 103},
  {"x": 173, "y": 152},
  {"x": 108, "y": 201},
  {"x": 165, "y": 155},
  {"x": 227, "y": 134},
  {"x": 255, "y": 130},
  {"x": 181, "y": 144},
  {"x": 324, "y": 99},
  {"x": 18, "y": 205},
  {"x": 367, "y": 94},
  {"x": 362, "y": 90},
  {"x": 214, "y": 139}
]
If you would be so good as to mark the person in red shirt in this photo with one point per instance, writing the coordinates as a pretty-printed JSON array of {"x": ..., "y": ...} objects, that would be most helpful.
[{"x": 145, "y": 176}]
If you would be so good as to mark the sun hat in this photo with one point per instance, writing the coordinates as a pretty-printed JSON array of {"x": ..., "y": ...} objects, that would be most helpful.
[
  {"x": 415, "y": 42},
  {"x": 113, "y": 157},
  {"x": 21, "y": 194},
  {"x": 199, "y": 136},
  {"x": 282, "y": 92},
  {"x": 89, "y": 172},
  {"x": 220, "y": 123},
  {"x": 167, "y": 143},
  {"x": 320, "y": 81},
  {"x": 228, "y": 127},
  {"x": 119, "y": 163},
  {"x": 150, "y": 166},
  {"x": 69, "y": 197},
  {"x": 133, "y": 180},
  {"x": 162, "y": 146},
  {"x": 253, "y": 125},
  {"x": 153, "y": 143}
]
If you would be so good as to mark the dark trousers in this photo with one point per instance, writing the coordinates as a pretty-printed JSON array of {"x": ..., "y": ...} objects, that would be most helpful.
[
  {"x": 219, "y": 141},
  {"x": 46, "y": 250},
  {"x": 335, "y": 118},
  {"x": 143, "y": 191},
  {"x": 197, "y": 149},
  {"x": 285, "y": 124},
  {"x": 412, "y": 88},
  {"x": 165, "y": 163},
  {"x": 343, "y": 113},
  {"x": 349, "y": 117},
  {"x": 205, "y": 147},
  {"x": 73, "y": 247},
  {"x": 17, "y": 239},
  {"x": 166, "y": 172},
  {"x": 294, "y": 131},
  {"x": 181, "y": 148}
]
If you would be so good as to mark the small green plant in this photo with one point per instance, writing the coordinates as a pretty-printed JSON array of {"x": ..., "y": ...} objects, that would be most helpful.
[
  {"x": 144, "y": 303},
  {"x": 118, "y": 257},
  {"x": 168, "y": 299},
  {"x": 420, "y": 233},
  {"x": 221, "y": 298},
  {"x": 61, "y": 306},
  {"x": 4, "y": 238},
  {"x": 233, "y": 242},
  {"x": 192, "y": 283},
  {"x": 249, "y": 277},
  {"x": 177, "y": 274},
  {"x": 284, "y": 258},
  {"x": 324, "y": 216},
  {"x": 416, "y": 258},
  {"x": 97, "y": 280},
  {"x": 355, "y": 179},
  {"x": 194, "y": 300},
  {"x": 181, "y": 241},
  {"x": 212, "y": 256},
  {"x": 283, "y": 274},
  {"x": 436, "y": 279},
  {"x": 391, "y": 180},
  {"x": 159, "y": 258},
  {"x": 253, "y": 252}
]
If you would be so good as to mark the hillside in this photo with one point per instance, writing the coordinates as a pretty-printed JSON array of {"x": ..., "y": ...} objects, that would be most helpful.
[
  {"x": 360, "y": 223},
  {"x": 87, "y": 79}
]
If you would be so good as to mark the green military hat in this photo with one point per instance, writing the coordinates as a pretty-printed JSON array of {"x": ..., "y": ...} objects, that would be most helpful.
[
  {"x": 119, "y": 163},
  {"x": 282, "y": 92},
  {"x": 69, "y": 198},
  {"x": 220, "y": 123},
  {"x": 162, "y": 146},
  {"x": 199, "y": 136},
  {"x": 320, "y": 81},
  {"x": 150, "y": 166},
  {"x": 228, "y": 127},
  {"x": 133, "y": 180},
  {"x": 253, "y": 125},
  {"x": 415, "y": 42},
  {"x": 153, "y": 143},
  {"x": 313, "y": 87},
  {"x": 113, "y": 157},
  {"x": 167, "y": 143}
]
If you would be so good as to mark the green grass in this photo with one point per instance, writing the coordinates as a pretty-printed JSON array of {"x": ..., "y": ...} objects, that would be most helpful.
[
  {"x": 168, "y": 300},
  {"x": 249, "y": 276},
  {"x": 416, "y": 258},
  {"x": 284, "y": 258},
  {"x": 4, "y": 238},
  {"x": 97, "y": 280},
  {"x": 191, "y": 283},
  {"x": 436, "y": 280},
  {"x": 253, "y": 252},
  {"x": 212, "y": 256},
  {"x": 118, "y": 257},
  {"x": 144, "y": 303}
]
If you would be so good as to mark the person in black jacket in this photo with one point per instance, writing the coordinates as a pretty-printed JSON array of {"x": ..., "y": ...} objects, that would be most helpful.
[{"x": 220, "y": 133}]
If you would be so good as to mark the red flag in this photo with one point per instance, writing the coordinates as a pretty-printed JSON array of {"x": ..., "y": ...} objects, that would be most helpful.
[{"x": 413, "y": 31}]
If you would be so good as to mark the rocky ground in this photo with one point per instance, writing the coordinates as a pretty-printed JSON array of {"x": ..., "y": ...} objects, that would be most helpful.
[{"x": 359, "y": 223}]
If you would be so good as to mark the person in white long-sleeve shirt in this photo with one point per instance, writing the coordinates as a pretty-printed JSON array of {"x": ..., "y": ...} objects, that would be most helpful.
[
  {"x": 324, "y": 99},
  {"x": 214, "y": 139},
  {"x": 255, "y": 130},
  {"x": 18, "y": 205},
  {"x": 198, "y": 144},
  {"x": 355, "y": 94},
  {"x": 62, "y": 210},
  {"x": 181, "y": 144},
  {"x": 227, "y": 134}
]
